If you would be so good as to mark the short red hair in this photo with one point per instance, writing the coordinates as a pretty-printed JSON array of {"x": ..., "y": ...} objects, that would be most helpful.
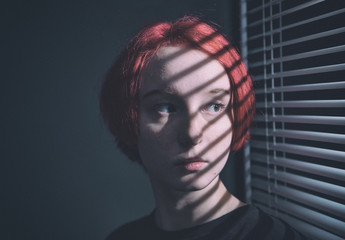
[{"x": 119, "y": 100}]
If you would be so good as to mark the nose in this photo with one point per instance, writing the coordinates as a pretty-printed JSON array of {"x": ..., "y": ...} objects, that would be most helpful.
[{"x": 191, "y": 131}]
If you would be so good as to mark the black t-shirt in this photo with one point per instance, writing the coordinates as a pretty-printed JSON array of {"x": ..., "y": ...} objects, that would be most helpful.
[{"x": 247, "y": 222}]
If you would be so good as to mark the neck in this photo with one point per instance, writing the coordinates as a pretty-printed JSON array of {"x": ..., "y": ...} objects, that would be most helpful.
[{"x": 183, "y": 209}]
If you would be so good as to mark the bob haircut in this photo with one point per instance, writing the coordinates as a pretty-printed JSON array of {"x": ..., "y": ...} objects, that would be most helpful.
[{"x": 119, "y": 99}]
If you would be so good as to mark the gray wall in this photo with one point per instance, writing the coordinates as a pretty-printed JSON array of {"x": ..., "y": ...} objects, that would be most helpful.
[{"x": 61, "y": 175}]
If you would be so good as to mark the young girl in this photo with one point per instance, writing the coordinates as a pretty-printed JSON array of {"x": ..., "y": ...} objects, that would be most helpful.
[{"x": 178, "y": 100}]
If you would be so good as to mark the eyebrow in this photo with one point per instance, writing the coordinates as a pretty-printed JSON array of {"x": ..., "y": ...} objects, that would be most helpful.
[
  {"x": 171, "y": 91},
  {"x": 219, "y": 91},
  {"x": 165, "y": 91}
]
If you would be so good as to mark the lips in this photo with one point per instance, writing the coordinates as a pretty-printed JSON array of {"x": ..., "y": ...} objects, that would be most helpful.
[{"x": 192, "y": 164}]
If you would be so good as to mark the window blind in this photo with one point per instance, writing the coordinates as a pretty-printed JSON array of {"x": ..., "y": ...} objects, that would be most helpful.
[{"x": 295, "y": 161}]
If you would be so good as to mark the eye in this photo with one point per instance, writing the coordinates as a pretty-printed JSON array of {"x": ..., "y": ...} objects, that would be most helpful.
[
  {"x": 215, "y": 107},
  {"x": 164, "y": 108}
]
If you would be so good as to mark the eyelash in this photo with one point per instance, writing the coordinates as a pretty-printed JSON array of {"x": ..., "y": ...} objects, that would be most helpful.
[
  {"x": 170, "y": 108},
  {"x": 157, "y": 107},
  {"x": 219, "y": 105}
]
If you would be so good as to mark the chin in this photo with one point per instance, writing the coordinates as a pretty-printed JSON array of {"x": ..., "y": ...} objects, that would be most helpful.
[{"x": 197, "y": 184}]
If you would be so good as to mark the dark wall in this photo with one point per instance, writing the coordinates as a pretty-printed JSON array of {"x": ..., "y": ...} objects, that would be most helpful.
[{"x": 61, "y": 175}]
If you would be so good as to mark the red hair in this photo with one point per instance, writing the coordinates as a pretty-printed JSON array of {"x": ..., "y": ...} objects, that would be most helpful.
[{"x": 119, "y": 100}]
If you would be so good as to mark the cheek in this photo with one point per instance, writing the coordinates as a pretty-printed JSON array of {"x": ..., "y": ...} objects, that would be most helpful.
[
  {"x": 153, "y": 137},
  {"x": 220, "y": 135},
  {"x": 152, "y": 133}
]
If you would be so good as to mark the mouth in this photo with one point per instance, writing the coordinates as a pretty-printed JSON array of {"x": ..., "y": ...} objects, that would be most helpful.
[{"x": 192, "y": 164}]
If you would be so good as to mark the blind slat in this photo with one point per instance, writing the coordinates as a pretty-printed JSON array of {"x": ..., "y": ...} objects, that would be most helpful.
[
  {"x": 300, "y": 23},
  {"x": 302, "y": 182},
  {"x": 254, "y": 10},
  {"x": 303, "y": 103},
  {"x": 302, "y": 55},
  {"x": 305, "y": 71},
  {"x": 322, "y": 153},
  {"x": 310, "y": 87},
  {"x": 299, "y": 40},
  {"x": 310, "y": 103},
  {"x": 306, "y": 135},
  {"x": 309, "y": 230},
  {"x": 316, "y": 169},
  {"x": 316, "y": 218},
  {"x": 326, "y": 171},
  {"x": 311, "y": 151},
  {"x": 312, "y": 184},
  {"x": 258, "y": 144},
  {"x": 303, "y": 87},
  {"x": 297, "y": 174},
  {"x": 310, "y": 200},
  {"x": 330, "y": 120},
  {"x": 307, "y": 199},
  {"x": 288, "y": 11}
]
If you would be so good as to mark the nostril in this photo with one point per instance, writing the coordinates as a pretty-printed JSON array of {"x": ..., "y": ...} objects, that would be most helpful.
[{"x": 197, "y": 139}]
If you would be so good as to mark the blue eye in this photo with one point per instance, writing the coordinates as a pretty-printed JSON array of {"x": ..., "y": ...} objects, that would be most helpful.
[
  {"x": 215, "y": 107},
  {"x": 164, "y": 108}
]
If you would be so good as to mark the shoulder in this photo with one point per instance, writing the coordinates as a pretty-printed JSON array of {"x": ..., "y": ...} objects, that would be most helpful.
[
  {"x": 133, "y": 230},
  {"x": 265, "y": 226}
]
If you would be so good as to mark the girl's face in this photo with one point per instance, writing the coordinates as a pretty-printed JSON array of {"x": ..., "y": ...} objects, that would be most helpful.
[{"x": 184, "y": 122}]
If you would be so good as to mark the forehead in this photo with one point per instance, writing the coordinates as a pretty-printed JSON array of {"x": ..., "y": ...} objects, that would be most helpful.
[{"x": 184, "y": 69}]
